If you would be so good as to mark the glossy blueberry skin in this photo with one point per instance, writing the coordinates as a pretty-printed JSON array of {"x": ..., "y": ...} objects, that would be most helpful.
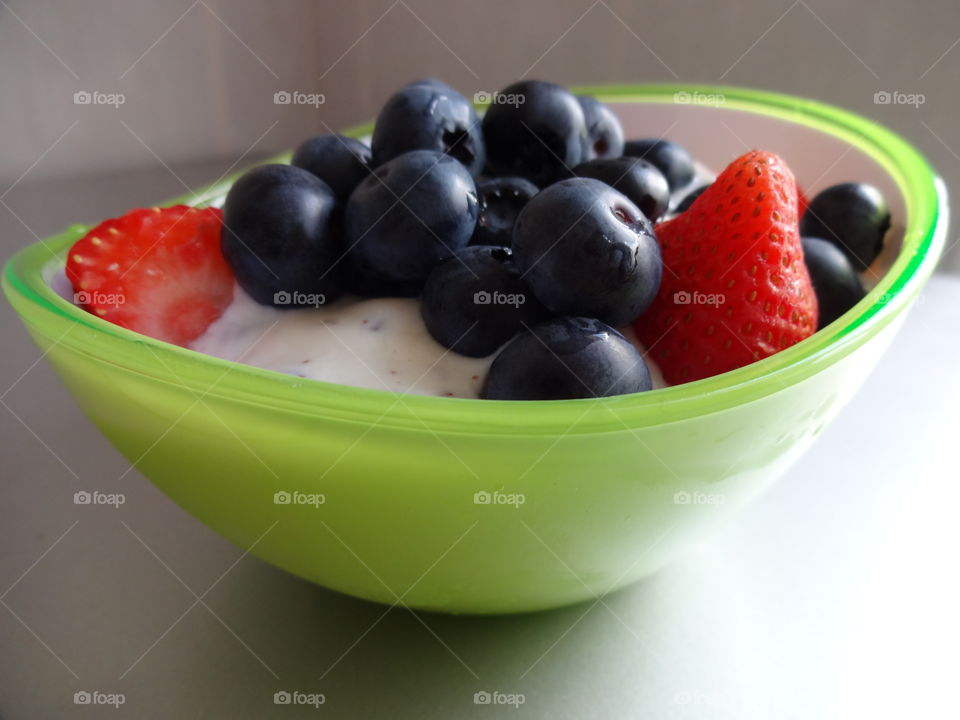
[
  {"x": 688, "y": 199},
  {"x": 604, "y": 131},
  {"x": 394, "y": 243},
  {"x": 501, "y": 200},
  {"x": 671, "y": 159},
  {"x": 566, "y": 358},
  {"x": 281, "y": 234},
  {"x": 586, "y": 250},
  {"x": 429, "y": 115},
  {"x": 540, "y": 139},
  {"x": 853, "y": 216},
  {"x": 475, "y": 301},
  {"x": 341, "y": 162},
  {"x": 835, "y": 282},
  {"x": 639, "y": 180}
]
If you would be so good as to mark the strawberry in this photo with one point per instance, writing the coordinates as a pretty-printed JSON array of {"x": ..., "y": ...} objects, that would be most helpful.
[
  {"x": 158, "y": 272},
  {"x": 735, "y": 288}
]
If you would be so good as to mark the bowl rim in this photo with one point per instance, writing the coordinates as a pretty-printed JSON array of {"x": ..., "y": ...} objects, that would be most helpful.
[{"x": 925, "y": 200}]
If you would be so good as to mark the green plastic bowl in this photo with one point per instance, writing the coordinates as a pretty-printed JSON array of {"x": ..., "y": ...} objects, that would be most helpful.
[{"x": 473, "y": 506}]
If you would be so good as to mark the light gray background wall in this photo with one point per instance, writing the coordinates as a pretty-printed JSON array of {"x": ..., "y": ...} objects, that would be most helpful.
[{"x": 199, "y": 75}]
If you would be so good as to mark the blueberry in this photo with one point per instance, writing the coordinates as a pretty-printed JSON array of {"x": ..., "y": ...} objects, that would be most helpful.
[
  {"x": 565, "y": 358},
  {"x": 340, "y": 161},
  {"x": 673, "y": 160},
  {"x": 834, "y": 280},
  {"x": 475, "y": 301},
  {"x": 853, "y": 216},
  {"x": 688, "y": 199},
  {"x": 429, "y": 115},
  {"x": 501, "y": 200},
  {"x": 407, "y": 216},
  {"x": 540, "y": 135},
  {"x": 637, "y": 179},
  {"x": 585, "y": 249},
  {"x": 604, "y": 132},
  {"x": 281, "y": 236}
]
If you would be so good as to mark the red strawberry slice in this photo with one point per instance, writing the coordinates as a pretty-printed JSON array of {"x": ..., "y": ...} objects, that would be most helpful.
[
  {"x": 156, "y": 271},
  {"x": 735, "y": 288}
]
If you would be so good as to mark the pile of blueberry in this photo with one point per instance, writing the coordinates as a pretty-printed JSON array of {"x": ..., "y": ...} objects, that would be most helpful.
[{"x": 531, "y": 227}]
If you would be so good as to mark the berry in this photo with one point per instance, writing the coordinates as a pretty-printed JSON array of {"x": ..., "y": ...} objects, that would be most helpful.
[
  {"x": 501, "y": 200},
  {"x": 475, "y": 301},
  {"x": 853, "y": 216},
  {"x": 637, "y": 179},
  {"x": 671, "y": 159},
  {"x": 566, "y": 358},
  {"x": 688, "y": 199},
  {"x": 429, "y": 115},
  {"x": 834, "y": 280},
  {"x": 735, "y": 288},
  {"x": 340, "y": 161},
  {"x": 156, "y": 272},
  {"x": 586, "y": 250},
  {"x": 281, "y": 236},
  {"x": 411, "y": 213},
  {"x": 604, "y": 132},
  {"x": 540, "y": 136}
]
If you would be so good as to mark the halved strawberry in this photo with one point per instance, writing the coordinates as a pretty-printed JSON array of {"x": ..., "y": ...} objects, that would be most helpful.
[
  {"x": 156, "y": 271},
  {"x": 735, "y": 288}
]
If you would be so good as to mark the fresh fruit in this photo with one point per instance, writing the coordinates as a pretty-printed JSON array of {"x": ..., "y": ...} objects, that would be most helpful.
[
  {"x": 586, "y": 250},
  {"x": 501, "y": 200},
  {"x": 566, "y": 358},
  {"x": 157, "y": 271},
  {"x": 535, "y": 130},
  {"x": 281, "y": 236},
  {"x": 834, "y": 280},
  {"x": 853, "y": 216},
  {"x": 340, "y": 161},
  {"x": 688, "y": 199},
  {"x": 410, "y": 214},
  {"x": 475, "y": 301},
  {"x": 735, "y": 288},
  {"x": 429, "y": 115},
  {"x": 604, "y": 132},
  {"x": 671, "y": 159},
  {"x": 639, "y": 180}
]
